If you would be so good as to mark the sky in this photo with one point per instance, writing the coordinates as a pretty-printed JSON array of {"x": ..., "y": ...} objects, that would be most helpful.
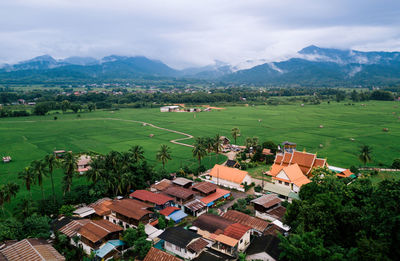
[{"x": 189, "y": 33}]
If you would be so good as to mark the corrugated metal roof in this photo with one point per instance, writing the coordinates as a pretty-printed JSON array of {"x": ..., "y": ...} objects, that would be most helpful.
[
  {"x": 149, "y": 196},
  {"x": 72, "y": 227},
  {"x": 195, "y": 205},
  {"x": 31, "y": 249},
  {"x": 244, "y": 219},
  {"x": 158, "y": 255},
  {"x": 267, "y": 201},
  {"x": 178, "y": 215}
]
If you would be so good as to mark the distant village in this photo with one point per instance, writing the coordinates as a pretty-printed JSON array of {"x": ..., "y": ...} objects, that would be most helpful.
[{"x": 212, "y": 217}]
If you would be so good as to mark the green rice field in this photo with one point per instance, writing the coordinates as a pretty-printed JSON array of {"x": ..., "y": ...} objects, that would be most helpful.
[{"x": 334, "y": 131}]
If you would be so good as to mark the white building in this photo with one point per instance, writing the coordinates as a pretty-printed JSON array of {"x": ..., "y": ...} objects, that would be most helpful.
[{"x": 229, "y": 177}]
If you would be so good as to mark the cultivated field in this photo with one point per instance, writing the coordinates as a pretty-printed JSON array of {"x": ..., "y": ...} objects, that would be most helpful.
[{"x": 344, "y": 129}]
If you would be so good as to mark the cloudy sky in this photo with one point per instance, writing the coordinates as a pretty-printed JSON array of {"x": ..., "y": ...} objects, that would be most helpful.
[{"x": 188, "y": 33}]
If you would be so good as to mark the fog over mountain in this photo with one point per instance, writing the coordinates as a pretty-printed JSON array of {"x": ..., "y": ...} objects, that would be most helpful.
[
  {"x": 186, "y": 34},
  {"x": 310, "y": 66}
]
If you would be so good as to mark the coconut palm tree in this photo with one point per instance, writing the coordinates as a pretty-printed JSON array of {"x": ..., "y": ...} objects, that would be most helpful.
[
  {"x": 199, "y": 149},
  {"x": 137, "y": 153},
  {"x": 28, "y": 177},
  {"x": 25, "y": 208},
  {"x": 38, "y": 168},
  {"x": 365, "y": 154},
  {"x": 7, "y": 191},
  {"x": 96, "y": 170},
  {"x": 51, "y": 162},
  {"x": 164, "y": 154},
  {"x": 69, "y": 166},
  {"x": 217, "y": 144},
  {"x": 235, "y": 134}
]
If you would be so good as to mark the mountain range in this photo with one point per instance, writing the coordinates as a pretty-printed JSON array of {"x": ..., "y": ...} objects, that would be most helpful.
[{"x": 311, "y": 66}]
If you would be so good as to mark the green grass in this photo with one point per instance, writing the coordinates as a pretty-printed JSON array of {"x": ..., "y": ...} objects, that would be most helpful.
[
  {"x": 29, "y": 138},
  {"x": 384, "y": 175}
]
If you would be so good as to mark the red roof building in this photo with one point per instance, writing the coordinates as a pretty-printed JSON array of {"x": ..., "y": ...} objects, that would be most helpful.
[{"x": 159, "y": 200}]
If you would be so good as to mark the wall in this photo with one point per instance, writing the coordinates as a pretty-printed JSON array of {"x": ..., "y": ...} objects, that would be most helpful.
[{"x": 182, "y": 252}]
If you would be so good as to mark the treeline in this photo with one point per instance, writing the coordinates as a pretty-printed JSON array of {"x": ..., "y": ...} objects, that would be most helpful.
[{"x": 52, "y": 100}]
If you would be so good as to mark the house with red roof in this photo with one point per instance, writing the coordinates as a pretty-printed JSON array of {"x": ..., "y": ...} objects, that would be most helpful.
[{"x": 159, "y": 201}]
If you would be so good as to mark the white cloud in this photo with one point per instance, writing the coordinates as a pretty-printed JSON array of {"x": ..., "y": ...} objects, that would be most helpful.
[{"x": 186, "y": 33}]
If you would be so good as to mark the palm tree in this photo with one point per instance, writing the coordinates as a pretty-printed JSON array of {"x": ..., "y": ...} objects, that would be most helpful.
[
  {"x": 51, "y": 162},
  {"x": 38, "y": 168},
  {"x": 69, "y": 166},
  {"x": 365, "y": 154},
  {"x": 96, "y": 170},
  {"x": 199, "y": 150},
  {"x": 217, "y": 144},
  {"x": 25, "y": 208},
  {"x": 235, "y": 134},
  {"x": 164, "y": 154},
  {"x": 137, "y": 153},
  {"x": 7, "y": 191},
  {"x": 28, "y": 177}
]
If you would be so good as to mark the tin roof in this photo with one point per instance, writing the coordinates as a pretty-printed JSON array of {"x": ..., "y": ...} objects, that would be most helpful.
[
  {"x": 158, "y": 255},
  {"x": 246, "y": 220},
  {"x": 148, "y": 196},
  {"x": 31, "y": 249}
]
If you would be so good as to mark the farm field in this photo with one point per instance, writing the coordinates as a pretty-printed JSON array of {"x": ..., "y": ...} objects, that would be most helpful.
[{"x": 345, "y": 129}]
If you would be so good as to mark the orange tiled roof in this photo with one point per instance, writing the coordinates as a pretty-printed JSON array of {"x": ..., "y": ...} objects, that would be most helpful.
[
  {"x": 345, "y": 174},
  {"x": 278, "y": 159},
  {"x": 286, "y": 159},
  {"x": 230, "y": 174},
  {"x": 225, "y": 240},
  {"x": 295, "y": 175},
  {"x": 319, "y": 163},
  {"x": 275, "y": 168},
  {"x": 219, "y": 193}
]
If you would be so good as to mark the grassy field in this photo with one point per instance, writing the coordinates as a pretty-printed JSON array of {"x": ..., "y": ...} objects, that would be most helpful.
[{"x": 30, "y": 138}]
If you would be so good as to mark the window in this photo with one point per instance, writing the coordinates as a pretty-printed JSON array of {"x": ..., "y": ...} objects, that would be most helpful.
[
  {"x": 107, "y": 218},
  {"x": 280, "y": 182},
  {"x": 241, "y": 240},
  {"x": 286, "y": 183},
  {"x": 178, "y": 248}
]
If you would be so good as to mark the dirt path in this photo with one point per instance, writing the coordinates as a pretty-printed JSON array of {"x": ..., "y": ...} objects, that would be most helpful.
[{"x": 174, "y": 141}]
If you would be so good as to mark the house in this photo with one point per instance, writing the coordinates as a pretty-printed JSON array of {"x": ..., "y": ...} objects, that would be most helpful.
[
  {"x": 84, "y": 212},
  {"x": 228, "y": 237},
  {"x": 29, "y": 249},
  {"x": 264, "y": 248},
  {"x": 269, "y": 207},
  {"x": 59, "y": 154},
  {"x": 161, "y": 185},
  {"x": 183, "y": 182},
  {"x": 169, "y": 108},
  {"x": 110, "y": 250},
  {"x": 306, "y": 161},
  {"x": 258, "y": 226},
  {"x": 102, "y": 207},
  {"x": 180, "y": 194},
  {"x": 159, "y": 201},
  {"x": 219, "y": 194},
  {"x": 229, "y": 177},
  {"x": 267, "y": 152},
  {"x": 183, "y": 243},
  {"x": 96, "y": 233},
  {"x": 232, "y": 164},
  {"x": 289, "y": 146},
  {"x": 195, "y": 208},
  {"x": 291, "y": 177},
  {"x": 155, "y": 254},
  {"x": 205, "y": 188},
  {"x": 129, "y": 213},
  {"x": 84, "y": 163},
  {"x": 342, "y": 173},
  {"x": 174, "y": 213},
  {"x": 72, "y": 227},
  {"x": 224, "y": 140}
]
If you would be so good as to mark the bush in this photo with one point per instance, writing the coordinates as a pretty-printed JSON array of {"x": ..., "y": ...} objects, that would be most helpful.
[
  {"x": 258, "y": 188},
  {"x": 396, "y": 164}
]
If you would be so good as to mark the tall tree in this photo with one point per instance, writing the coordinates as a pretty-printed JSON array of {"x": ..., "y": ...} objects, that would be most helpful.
[
  {"x": 217, "y": 144},
  {"x": 8, "y": 191},
  {"x": 365, "y": 154},
  {"x": 69, "y": 166},
  {"x": 28, "y": 177},
  {"x": 199, "y": 150},
  {"x": 51, "y": 162},
  {"x": 235, "y": 134},
  {"x": 38, "y": 168},
  {"x": 164, "y": 154},
  {"x": 137, "y": 153},
  {"x": 96, "y": 170}
]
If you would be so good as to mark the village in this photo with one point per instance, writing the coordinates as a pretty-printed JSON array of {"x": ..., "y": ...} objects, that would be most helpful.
[{"x": 217, "y": 215}]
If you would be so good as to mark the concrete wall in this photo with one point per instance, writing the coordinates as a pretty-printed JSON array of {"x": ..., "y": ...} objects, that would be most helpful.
[{"x": 182, "y": 252}]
